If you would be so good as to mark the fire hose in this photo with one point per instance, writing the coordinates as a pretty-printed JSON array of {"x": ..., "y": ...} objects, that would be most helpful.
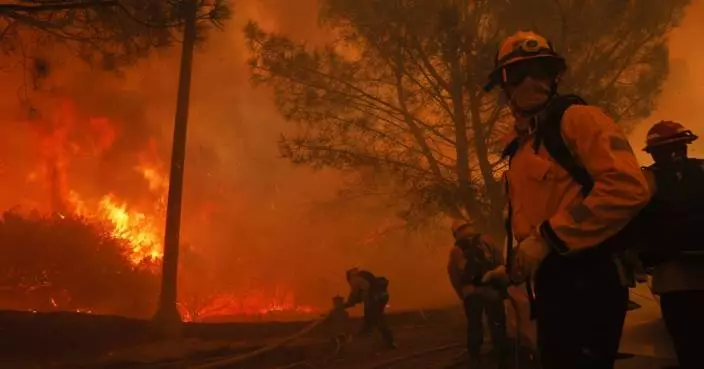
[
  {"x": 226, "y": 362},
  {"x": 263, "y": 350}
]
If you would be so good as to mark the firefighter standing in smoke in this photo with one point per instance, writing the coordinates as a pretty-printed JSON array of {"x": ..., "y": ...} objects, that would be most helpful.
[
  {"x": 471, "y": 258},
  {"x": 571, "y": 191},
  {"x": 672, "y": 222},
  {"x": 373, "y": 292}
]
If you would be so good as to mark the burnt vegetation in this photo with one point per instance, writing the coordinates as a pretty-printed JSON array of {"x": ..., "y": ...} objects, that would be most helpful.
[
  {"x": 68, "y": 263},
  {"x": 63, "y": 262},
  {"x": 397, "y": 99}
]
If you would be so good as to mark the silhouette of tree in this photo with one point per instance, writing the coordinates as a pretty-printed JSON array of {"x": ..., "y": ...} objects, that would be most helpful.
[{"x": 397, "y": 97}]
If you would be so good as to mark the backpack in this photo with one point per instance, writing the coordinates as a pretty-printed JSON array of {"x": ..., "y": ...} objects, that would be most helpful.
[
  {"x": 674, "y": 217},
  {"x": 376, "y": 284}
]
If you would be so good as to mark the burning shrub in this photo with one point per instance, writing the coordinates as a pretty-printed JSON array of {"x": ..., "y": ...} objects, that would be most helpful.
[{"x": 62, "y": 262}]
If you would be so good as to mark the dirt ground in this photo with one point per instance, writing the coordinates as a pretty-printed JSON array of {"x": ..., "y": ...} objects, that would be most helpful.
[
  {"x": 49, "y": 340},
  {"x": 431, "y": 340}
]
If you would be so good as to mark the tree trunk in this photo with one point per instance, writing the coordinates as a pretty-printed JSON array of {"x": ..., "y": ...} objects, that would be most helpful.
[
  {"x": 467, "y": 193},
  {"x": 450, "y": 17},
  {"x": 167, "y": 316}
]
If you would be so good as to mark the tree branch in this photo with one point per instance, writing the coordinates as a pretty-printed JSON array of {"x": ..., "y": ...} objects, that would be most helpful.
[{"x": 9, "y": 8}]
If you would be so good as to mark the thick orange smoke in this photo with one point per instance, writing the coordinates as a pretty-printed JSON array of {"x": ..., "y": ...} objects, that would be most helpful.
[{"x": 682, "y": 93}]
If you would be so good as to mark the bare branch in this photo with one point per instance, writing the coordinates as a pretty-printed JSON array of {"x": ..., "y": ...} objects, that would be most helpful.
[{"x": 61, "y": 5}]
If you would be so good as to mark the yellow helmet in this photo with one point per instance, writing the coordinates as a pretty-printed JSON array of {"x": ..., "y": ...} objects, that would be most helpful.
[
  {"x": 522, "y": 45},
  {"x": 461, "y": 228}
]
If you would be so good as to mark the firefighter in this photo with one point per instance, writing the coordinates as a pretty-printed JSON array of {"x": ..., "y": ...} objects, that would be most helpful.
[
  {"x": 371, "y": 290},
  {"x": 673, "y": 222},
  {"x": 573, "y": 186},
  {"x": 472, "y": 257}
]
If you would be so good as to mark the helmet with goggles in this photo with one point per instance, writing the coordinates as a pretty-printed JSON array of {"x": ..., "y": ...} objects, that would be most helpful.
[{"x": 522, "y": 47}]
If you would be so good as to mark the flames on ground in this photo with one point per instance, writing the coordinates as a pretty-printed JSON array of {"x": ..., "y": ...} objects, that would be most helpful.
[{"x": 126, "y": 238}]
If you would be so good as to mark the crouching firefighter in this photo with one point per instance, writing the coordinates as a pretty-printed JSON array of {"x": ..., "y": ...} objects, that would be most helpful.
[
  {"x": 471, "y": 258},
  {"x": 373, "y": 292},
  {"x": 673, "y": 222},
  {"x": 574, "y": 186}
]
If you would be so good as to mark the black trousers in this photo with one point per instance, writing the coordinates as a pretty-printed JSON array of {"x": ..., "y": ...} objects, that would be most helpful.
[
  {"x": 374, "y": 317},
  {"x": 474, "y": 308},
  {"x": 683, "y": 313},
  {"x": 580, "y": 308}
]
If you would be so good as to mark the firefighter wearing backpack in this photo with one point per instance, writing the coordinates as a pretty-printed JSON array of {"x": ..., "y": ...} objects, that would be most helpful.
[
  {"x": 573, "y": 185},
  {"x": 672, "y": 222},
  {"x": 371, "y": 290},
  {"x": 471, "y": 258}
]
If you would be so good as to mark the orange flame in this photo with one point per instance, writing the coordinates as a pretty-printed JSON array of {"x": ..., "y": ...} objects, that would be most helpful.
[
  {"x": 141, "y": 228},
  {"x": 255, "y": 304},
  {"x": 135, "y": 227}
]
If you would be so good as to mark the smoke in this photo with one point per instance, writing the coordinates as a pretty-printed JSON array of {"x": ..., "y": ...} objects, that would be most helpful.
[{"x": 681, "y": 99}]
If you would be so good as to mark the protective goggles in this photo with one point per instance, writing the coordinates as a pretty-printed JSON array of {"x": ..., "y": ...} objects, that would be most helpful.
[{"x": 515, "y": 74}]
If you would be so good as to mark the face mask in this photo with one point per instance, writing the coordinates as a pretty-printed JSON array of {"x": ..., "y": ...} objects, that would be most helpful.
[{"x": 528, "y": 95}]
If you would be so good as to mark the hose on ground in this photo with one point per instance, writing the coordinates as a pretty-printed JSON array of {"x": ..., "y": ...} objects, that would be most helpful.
[{"x": 263, "y": 350}]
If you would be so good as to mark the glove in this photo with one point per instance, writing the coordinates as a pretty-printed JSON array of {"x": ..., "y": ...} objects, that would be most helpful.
[
  {"x": 498, "y": 273},
  {"x": 528, "y": 256}
]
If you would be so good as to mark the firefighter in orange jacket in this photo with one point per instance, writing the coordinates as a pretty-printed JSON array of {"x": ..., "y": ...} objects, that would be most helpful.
[
  {"x": 580, "y": 294},
  {"x": 472, "y": 257}
]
